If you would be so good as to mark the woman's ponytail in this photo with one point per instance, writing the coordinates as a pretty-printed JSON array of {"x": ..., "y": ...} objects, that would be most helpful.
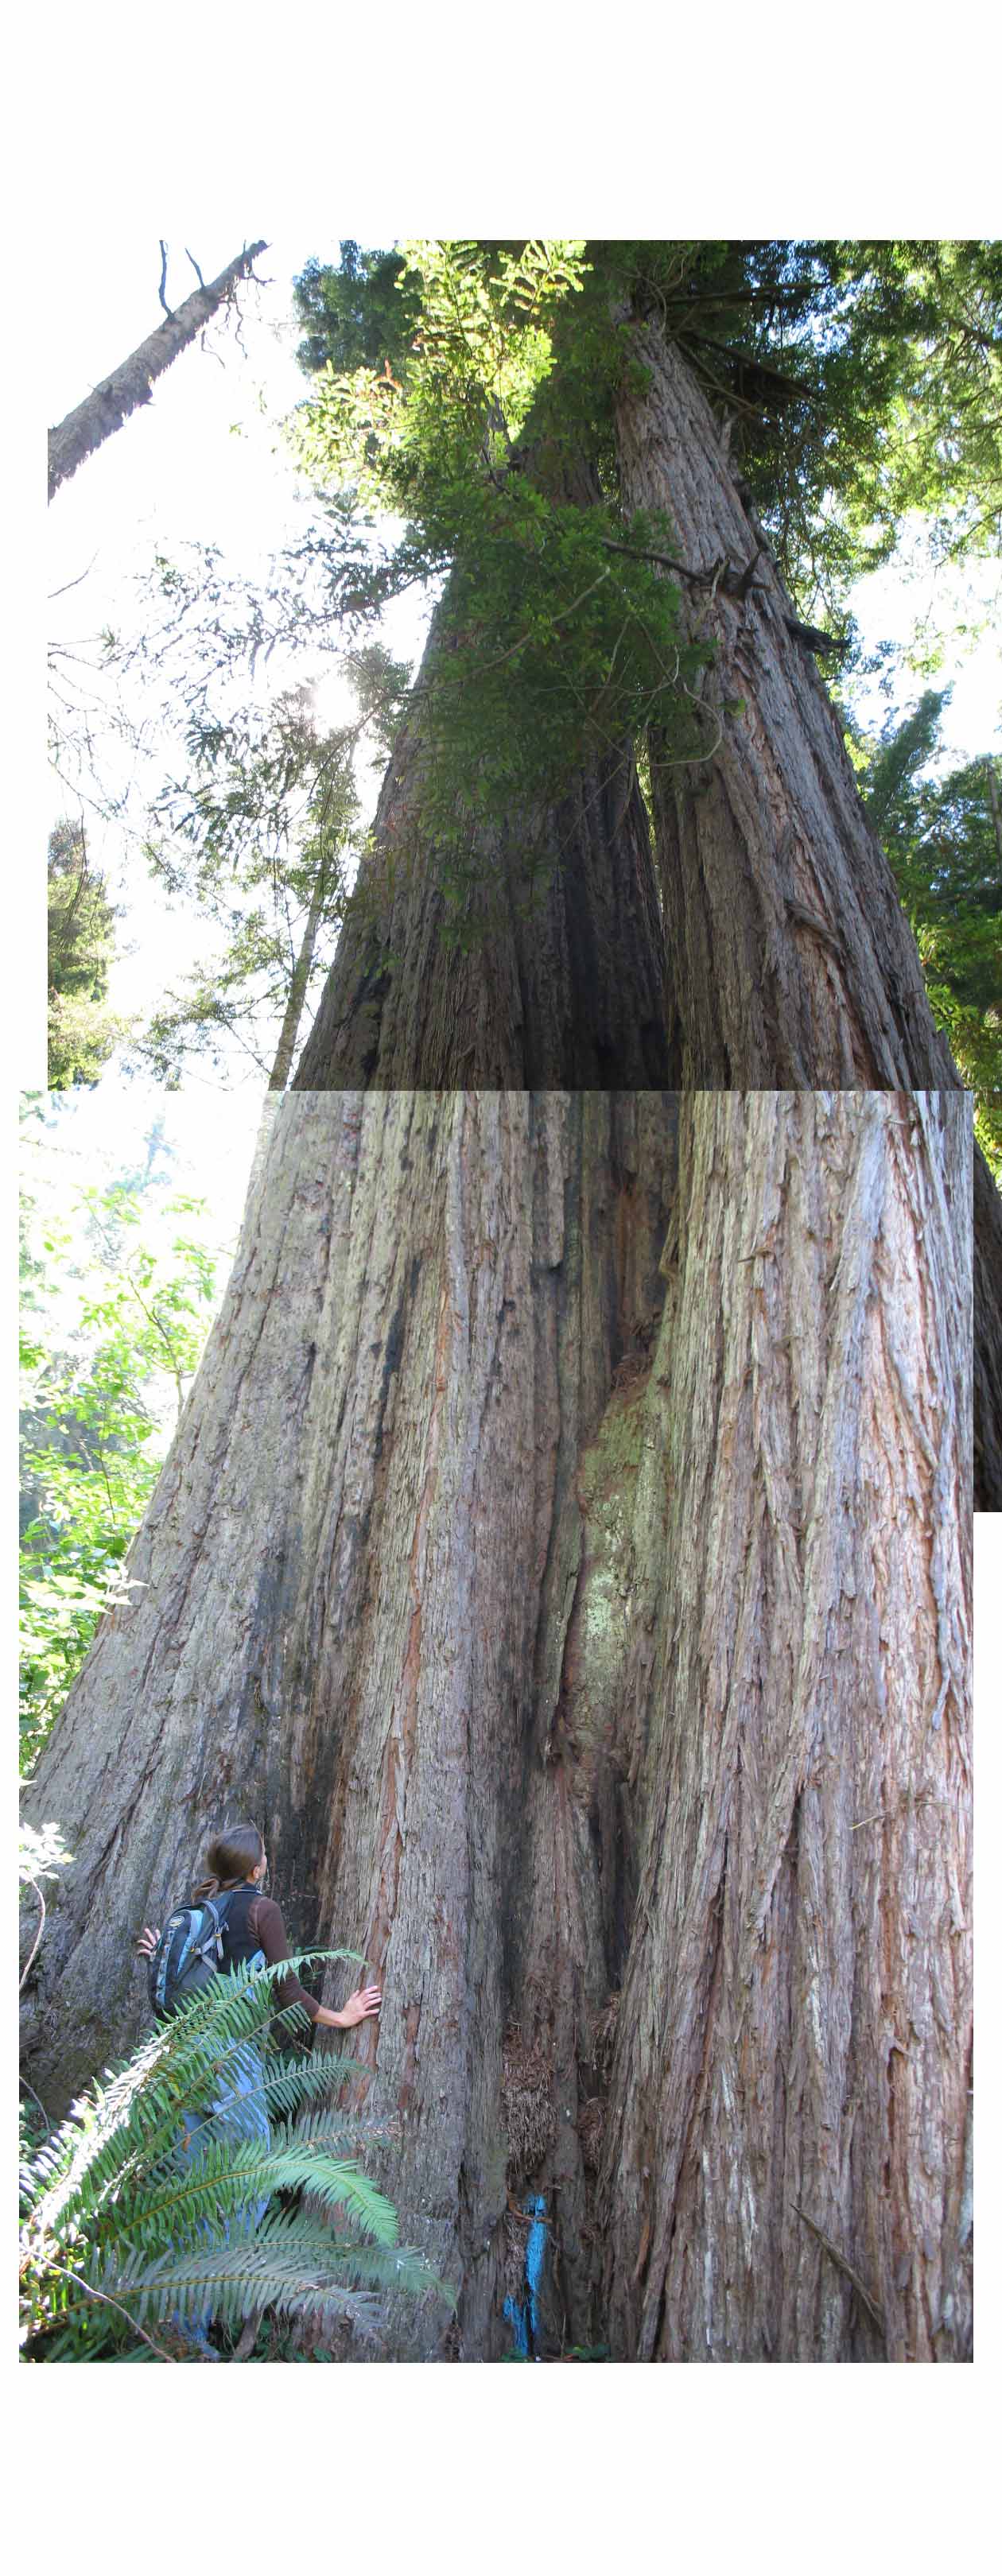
[{"x": 230, "y": 1858}]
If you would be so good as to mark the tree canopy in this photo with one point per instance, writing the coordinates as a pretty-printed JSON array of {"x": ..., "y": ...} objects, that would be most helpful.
[
  {"x": 83, "y": 1030},
  {"x": 462, "y": 424}
]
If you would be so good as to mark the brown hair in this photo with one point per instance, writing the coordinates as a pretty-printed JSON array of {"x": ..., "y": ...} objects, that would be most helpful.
[{"x": 230, "y": 1858}]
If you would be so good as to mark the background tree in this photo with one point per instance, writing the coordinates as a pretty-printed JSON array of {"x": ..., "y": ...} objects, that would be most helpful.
[
  {"x": 530, "y": 1421},
  {"x": 269, "y": 810},
  {"x": 108, "y": 1351},
  {"x": 111, "y": 402},
  {"x": 83, "y": 1031},
  {"x": 944, "y": 840}
]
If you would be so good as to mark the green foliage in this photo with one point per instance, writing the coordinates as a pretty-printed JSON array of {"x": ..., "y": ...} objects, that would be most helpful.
[
  {"x": 943, "y": 836},
  {"x": 861, "y": 380},
  {"x": 562, "y": 639},
  {"x": 93, "y": 1435},
  {"x": 355, "y": 314},
  {"x": 123, "y": 2235},
  {"x": 40, "y": 1855},
  {"x": 260, "y": 834},
  {"x": 83, "y": 1031}
]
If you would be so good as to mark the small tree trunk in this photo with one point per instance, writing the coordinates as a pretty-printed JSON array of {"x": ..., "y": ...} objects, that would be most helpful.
[
  {"x": 995, "y": 801},
  {"x": 286, "y": 1048},
  {"x": 132, "y": 383},
  {"x": 784, "y": 2163}
]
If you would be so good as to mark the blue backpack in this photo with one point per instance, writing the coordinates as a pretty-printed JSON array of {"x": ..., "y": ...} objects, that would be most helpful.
[{"x": 188, "y": 1953}]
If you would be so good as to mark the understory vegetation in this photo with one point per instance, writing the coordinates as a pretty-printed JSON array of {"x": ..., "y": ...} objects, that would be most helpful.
[
  {"x": 159, "y": 2215},
  {"x": 114, "y": 1318}
]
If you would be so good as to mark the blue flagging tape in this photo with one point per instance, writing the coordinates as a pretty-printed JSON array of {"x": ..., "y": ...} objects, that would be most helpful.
[{"x": 523, "y": 2314}]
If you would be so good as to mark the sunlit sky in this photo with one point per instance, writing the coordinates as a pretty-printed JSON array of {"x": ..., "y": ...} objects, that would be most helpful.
[
  {"x": 203, "y": 127},
  {"x": 204, "y": 460}
]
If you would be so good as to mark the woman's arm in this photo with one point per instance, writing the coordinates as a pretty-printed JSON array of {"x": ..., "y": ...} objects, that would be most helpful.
[
  {"x": 265, "y": 1923},
  {"x": 359, "y": 2007}
]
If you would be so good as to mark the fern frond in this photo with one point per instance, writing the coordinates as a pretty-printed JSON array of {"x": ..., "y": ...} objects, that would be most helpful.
[
  {"x": 394, "y": 2267},
  {"x": 116, "y": 2213},
  {"x": 228, "y": 2177},
  {"x": 290, "y": 2262}
]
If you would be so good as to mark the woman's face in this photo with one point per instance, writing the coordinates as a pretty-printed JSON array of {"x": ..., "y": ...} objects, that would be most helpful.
[{"x": 261, "y": 1871}]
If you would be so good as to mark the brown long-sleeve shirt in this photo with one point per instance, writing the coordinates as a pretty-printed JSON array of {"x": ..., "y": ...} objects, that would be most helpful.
[{"x": 265, "y": 1925}]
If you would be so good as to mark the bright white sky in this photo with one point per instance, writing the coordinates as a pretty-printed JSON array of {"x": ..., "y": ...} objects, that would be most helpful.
[
  {"x": 205, "y": 461},
  {"x": 202, "y": 462},
  {"x": 218, "y": 121}
]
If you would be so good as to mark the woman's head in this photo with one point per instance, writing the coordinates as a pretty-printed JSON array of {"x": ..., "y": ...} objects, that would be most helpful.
[{"x": 236, "y": 1854}]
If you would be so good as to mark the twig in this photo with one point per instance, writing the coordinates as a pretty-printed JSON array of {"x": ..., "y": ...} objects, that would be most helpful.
[
  {"x": 859, "y": 2286},
  {"x": 32, "y": 1882},
  {"x": 75, "y": 583},
  {"x": 188, "y": 255},
  {"x": 123, "y": 2312},
  {"x": 815, "y": 640},
  {"x": 248, "y": 2338},
  {"x": 163, "y": 278},
  {"x": 36, "y": 2097}
]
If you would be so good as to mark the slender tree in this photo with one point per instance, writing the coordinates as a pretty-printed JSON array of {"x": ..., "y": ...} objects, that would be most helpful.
[
  {"x": 572, "y": 1504},
  {"x": 82, "y": 1029},
  {"x": 111, "y": 402}
]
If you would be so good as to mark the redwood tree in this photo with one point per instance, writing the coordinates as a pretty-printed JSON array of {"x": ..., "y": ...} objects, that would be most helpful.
[
  {"x": 763, "y": 941},
  {"x": 564, "y": 1554}
]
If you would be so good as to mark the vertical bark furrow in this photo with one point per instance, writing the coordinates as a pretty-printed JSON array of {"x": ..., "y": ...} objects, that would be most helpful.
[
  {"x": 790, "y": 961},
  {"x": 550, "y": 972},
  {"x": 564, "y": 1557},
  {"x": 806, "y": 1805},
  {"x": 414, "y": 1357}
]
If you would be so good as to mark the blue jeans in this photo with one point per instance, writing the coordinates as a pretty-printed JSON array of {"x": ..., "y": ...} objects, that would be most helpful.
[{"x": 237, "y": 2111}]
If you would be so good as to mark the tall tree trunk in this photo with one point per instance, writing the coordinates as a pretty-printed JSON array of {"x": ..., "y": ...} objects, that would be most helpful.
[
  {"x": 552, "y": 972},
  {"x": 789, "y": 957},
  {"x": 549, "y": 971},
  {"x": 791, "y": 961},
  {"x": 407, "y": 1592},
  {"x": 785, "y": 2159},
  {"x": 286, "y": 1048},
  {"x": 132, "y": 383}
]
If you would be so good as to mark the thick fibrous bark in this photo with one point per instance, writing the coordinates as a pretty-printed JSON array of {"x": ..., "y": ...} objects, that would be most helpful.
[
  {"x": 346, "y": 1591},
  {"x": 557, "y": 984},
  {"x": 790, "y": 959},
  {"x": 410, "y": 1593},
  {"x": 790, "y": 962},
  {"x": 792, "y": 2059},
  {"x": 132, "y": 383}
]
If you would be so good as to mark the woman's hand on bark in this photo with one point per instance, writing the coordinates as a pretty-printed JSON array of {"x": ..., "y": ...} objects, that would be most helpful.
[
  {"x": 147, "y": 1941},
  {"x": 359, "y": 2007}
]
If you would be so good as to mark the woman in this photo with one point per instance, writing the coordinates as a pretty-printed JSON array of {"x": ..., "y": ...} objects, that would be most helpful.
[
  {"x": 253, "y": 1930},
  {"x": 253, "y": 1933}
]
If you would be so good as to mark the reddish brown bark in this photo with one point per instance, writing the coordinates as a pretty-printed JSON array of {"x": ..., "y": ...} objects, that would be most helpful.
[
  {"x": 486, "y": 1585},
  {"x": 550, "y": 972},
  {"x": 789, "y": 958},
  {"x": 785, "y": 2160}
]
